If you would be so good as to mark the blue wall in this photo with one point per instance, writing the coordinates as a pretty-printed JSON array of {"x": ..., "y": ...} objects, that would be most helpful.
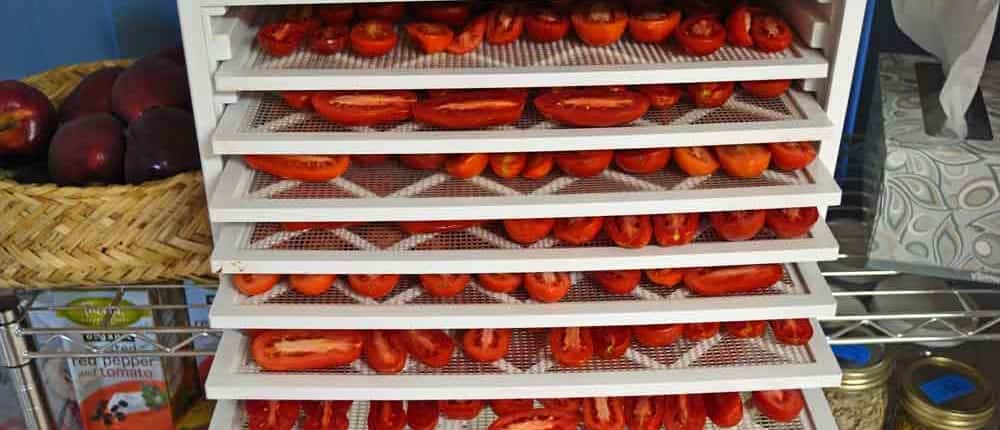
[{"x": 49, "y": 33}]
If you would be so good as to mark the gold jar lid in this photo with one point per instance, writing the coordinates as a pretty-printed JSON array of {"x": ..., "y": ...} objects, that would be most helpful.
[
  {"x": 863, "y": 366},
  {"x": 942, "y": 393}
]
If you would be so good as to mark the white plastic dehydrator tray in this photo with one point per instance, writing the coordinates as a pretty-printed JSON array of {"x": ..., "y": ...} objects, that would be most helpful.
[{"x": 719, "y": 364}]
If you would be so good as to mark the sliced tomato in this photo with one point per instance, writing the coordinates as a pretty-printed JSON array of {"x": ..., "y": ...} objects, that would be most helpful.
[
  {"x": 744, "y": 161},
  {"x": 644, "y": 412},
  {"x": 536, "y": 419},
  {"x": 431, "y": 347},
  {"x": 283, "y": 350},
  {"x": 745, "y": 329},
  {"x": 779, "y": 405},
  {"x": 271, "y": 414},
  {"x": 676, "y": 229},
  {"x": 738, "y": 25},
  {"x": 391, "y": 12},
  {"x": 642, "y": 160},
  {"x": 253, "y": 284},
  {"x": 717, "y": 281},
  {"x": 568, "y": 405},
  {"x": 508, "y": 165},
  {"x": 592, "y": 106},
  {"x": 583, "y": 164},
  {"x": 299, "y": 100},
  {"x": 710, "y": 94},
  {"x": 311, "y": 285},
  {"x": 512, "y": 406},
  {"x": 450, "y": 13},
  {"x": 546, "y": 24},
  {"x": 430, "y": 37},
  {"x": 658, "y": 334},
  {"x": 577, "y": 231},
  {"x": 373, "y": 37},
  {"x": 547, "y": 287},
  {"x": 316, "y": 225},
  {"x": 324, "y": 415},
  {"x": 421, "y": 227},
  {"x": 599, "y": 23},
  {"x": 792, "y": 155},
  {"x": 386, "y": 415},
  {"x": 652, "y": 25},
  {"x": 445, "y": 285},
  {"x": 724, "y": 409},
  {"x": 770, "y": 33},
  {"x": 374, "y": 286},
  {"x": 465, "y": 166},
  {"x": 423, "y": 161},
  {"x": 791, "y": 222},
  {"x": 369, "y": 160},
  {"x": 472, "y": 109},
  {"x": 529, "y": 230},
  {"x": 500, "y": 282},
  {"x": 471, "y": 36},
  {"x": 422, "y": 414},
  {"x": 662, "y": 96},
  {"x": 766, "y": 89},
  {"x": 684, "y": 412},
  {"x": 336, "y": 14},
  {"x": 460, "y": 409},
  {"x": 664, "y": 277},
  {"x": 701, "y": 35},
  {"x": 618, "y": 281},
  {"x": 281, "y": 38},
  {"x": 700, "y": 331},
  {"x": 308, "y": 168},
  {"x": 696, "y": 160},
  {"x": 603, "y": 413},
  {"x": 486, "y": 344},
  {"x": 328, "y": 40},
  {"x": 611, "y": 342},
  {"x": 737, "y": 225},
  {"x": 792, "y": 331},
  {"x": 354, "y": 108},
  {"x": 629, "y": 231},
  {"x": 385, "y": 352},
  {"x": 505, "y": 24},
  {"x": 571, "y": 346}
]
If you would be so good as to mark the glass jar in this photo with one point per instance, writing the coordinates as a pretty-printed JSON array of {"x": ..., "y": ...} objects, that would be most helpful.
[
  {"x": 938, "y": 393},
  {"x": 861, "y": 401}
]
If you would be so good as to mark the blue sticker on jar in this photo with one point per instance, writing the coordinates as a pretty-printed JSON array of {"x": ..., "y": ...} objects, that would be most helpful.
[
  {"x": 854, "y": 354},
  {"x": 947, "y": 388}
]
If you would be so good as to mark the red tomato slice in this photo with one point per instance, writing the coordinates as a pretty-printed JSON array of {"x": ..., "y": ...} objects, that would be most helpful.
[
  {"x": 386, "y": 415},
  {"x": 766, "y": 89},
  {"x": 545, "y": 25},
  {"x": 471, "y": 36},
  {"x": 281, "y": 38},
  {"x": 451, "y": 13},
  {"x": 298, "y": 100},
  {"x": 700, "y": 331},
  {"x": 504, "y": 25},
  {"x": 724, "y": 409},
  {"x": 599, "y": 23},
  {"x": 684, "y": 412},
  {"x": 311, "y": 285},
  {"x": 253, "y": 284},
  {"x": 663, "y": 96},
  {"x": 657, "y": 335},
  {"x": 629, "y": 231},
  {"x": 431, "y": 347},
  {"x": 508, "y": 166},
  {"x": 583, "y": 164},
  {"x": 676, "y": 229},
  {"x": 571, "y": 346},
  {"x": 717, "y": 281},
  {"x": 308, "y": 168},
  {"x": 422, "y": 414},
  {"x": 618, "y": 281},
  {"x": 793, "y": 331},
  {"x": 423, "y": 161},
  {"x": 792, "y": 155},
  {"x": 465, "y": 166},
  {"x": 513, "y": 406},
  {"x": 536, "y": 419},
  {"x": 445, "y": 285},
  {"x": 642, "y": 160},
  {"x": 611, "y": 342},
  {"x": 283, "y": 350},
  {"x": 603, "y": 413},
  {"x": 664, "y": 277},
  {"x": 568, "y": 405},
  {"x": 385, "y": 352},
  {"x": 577, "y": 231},
  {"x": 324, "y": 415},
  {"x": 336, "y": 14},
  {"x": 460, "y": 409},
  {"x": 592, "y": 107},
  {"x": 653, "y": 26},
  {"x": 701, "y": 35},
  {"x": 779, "y": 405},
  {"x": 486, "y": 344},
  {"x": 529, "y": 230},
  {"x": 711, "y": 94},
  {"x": 791, "y": 222},
  {"x": 272, "y": 414},
  {"x": 737, "y": 225},
  {"x": 373, "y": 37},
  {"x": 547, "y": 287},
  {"x": 538, "y": 166},
  {"x": 374, "y": 286},
  {"x": 500, "y": 282},
  {"x": 353, "y": 108},
  {"x": 770, "y": 33},
  {"x": 644, "y": 412},
  {"x": 328, "y": 40},
  {"x": 391, "y": 12},
  {"x": 738, "y": 25},
  {"x": 430, "y": 37},
  {"x": 745, "y": 329},
  {"x": 420, "y": 227},
  {"x": 472, "y": 109},
  {"x": 696, "y": 160},
  {"x": 744, "y": 161}
]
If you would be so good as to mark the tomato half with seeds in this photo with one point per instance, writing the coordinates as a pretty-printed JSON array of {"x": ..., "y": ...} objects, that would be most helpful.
[
  {"x": 603, "y": 413},
  {"x": 472, "y": 109},
  {"x": 385, "y": 352},
  {"x": 311, "y": 285},
  {"x": 651, "y": 25},
  {"x": 460, "y": 409},
  {"x": 253, "y": 284},
  {"x": 618, "y": 281},
  {"x": 284, "y": 350},
  {"x": 700, "y": 331},
  {"x": 662, "y": 96},
  {"x": 336, "y": 14},
  {"x": 599, "y": 23},
  {"x": 529, "y": 230},
  {"x": 717, "y": 281},
  {"x": 770, "y": 33},
  {"x": 299, "y": 100},
  {"x": 710, "y": 94},
  {"x": 545, "y": 25},
  {"x": 675, "y": 229},
  {"x": 578, "y": 231},
  {"x": 504, "y": 25},
  {"x": 644, "y": 412},
  {"x": 422, "y": 227},
  {"x": 792, "y": 155},
  {"x": 271, "y": 414},
  {"x": 791, "y": 222},
  {"x": 308, "y": 168},
  {"x": 391, "y": 12},
  {"x": 642, "y": 160},
  {"x": 500, "y": 282},
  {"x": 657, "y": 335},
  {"x": 374, "y": 286},
  {"x": 745, "y": 329},
  {"x": 422, "y": 414},
  {"x": 508, "y": 165},
  {"x": 373, "y": 38},
  {"x": 465, "y": 166},
  {"x": 584, "y": 164},
  {"x": 355, "y": 108},
  {"x": 611, "y": 342},
  {"x": 538, "y": 165},
  {"x": 386, "y": 415},
  {"x": 629, "y": 231},
  {"x": 281, "y": 38},
  {"x": 684, "y": 412},
  {"x": 430, "y": 37},
  {"x": 766, "y": 89},
  {"x": 502, "y": 407},
  {"x": 547, "y": 287},
  {"x": 431, "y": 347},
  {"x": 664, "y": 277},
  {"x": 570, "y": 405},
  {"x": 738, "y": 25},
  {"x": 701, "y": 35},
  {"x": 737, "y": 225},
  {"x": 450, "y": 13},
  {"x": 744, "y": 161},
  {"x": 444, "y": 285},
  {"x": 592, "y": 107},
  {"x": 328, "y": 40},
  {"x": 536, "y": 419},
  {"x": 324, "y": 415},
  {"x": 486, "y": 344},
  {"x": 792, "y": 331},
  {"x": 471, "y": 37},
  {"x": 779, "y": 405},
  {"x": 423, "y": 161},
  {"x": 724, "y": 409},
  {"x": 571, "y": 346},
  {"x": 696, "y": 160}
]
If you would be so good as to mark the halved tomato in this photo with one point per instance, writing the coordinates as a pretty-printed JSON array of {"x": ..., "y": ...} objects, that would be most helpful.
[
  {"x": 696, "y": 160},
  {"x": 311, "y": 285},
  {"x": 629, "y": 231},
  {"x": 465, "y": 166},
  {"x": 766, "y": 89},
  {"x": 724, "y": 409},
  {"x": 472, "y": 109},
  {"x": 422, "y": 414},
  {"x": 284, "y": 350},
  {"x": 547, "y": 287},
  {"x": 430, "y": 37},
  {"x": 611, "y": 342},
  {"x": 374, "y": 286},
  {"x": 770, "y": 33},
  {"x": 281, "y": 38},
  {"x": 508, "y": 165},
  {"x": 444, "y": 285},
  {"x": 316, "y": 225},
  {"x": 662, "y": 96},
  {"x": 373, "y": 37},
  {"x": 460, "y": 409},
  {"x": 792, "y": 155},
  {"x": 431, "y": 347},
  {"x": 642, "y": 160},
  {"x": 325, "y": 415},
  {"x": 571, "y": 346},
  {"x": 737, "y": 225},
  {"x": 354, "y": 108},
  {"x": 738, "y": 24},
  {"x": 500, "y": 282},
  {"x": 658, "y": 334},
  {"x": 529, "y": 230},
  {"x": 603, "y": 413},
  {"x": 421, "y": 227},
  {"x": 253, "y": 284},
  {"x": 684, "y": 412},
  {"x": 717, "y": 281},
  {"x": 652, "y": 25},
  {"x": 664, "y": 277},
  {"x": 577, "y": 231},
  {"x": 700, "y": 331},
  {"x": 583, "y": 164},
  {"x": 569, "y": 405},
  {"x": 546, "y": 24},
  {"x": 779, "y": 405},
  {"x": 592, "y": 106},
  {"x": 618, "y": 281},
  {"x": 385, "y": 351},
  {"x": 538, "y": 166},
  {"x": 791, "y": 222},
  {"x": 536, "y": 419},
  {"x": 505, "y": 24},
  {"x": 299, "y": 100},
  {"x": 272, "y": 414},
  {"x": 336, "y": 14},
  {"x": 486, "y": 344},
  {"x": 308, "y": 168},
  {"x": 701, "y": 35},
  {"x": 446, "y": 12},
  {"x": 644, "y": 412},
  {"x": 744, "y": 161},
  {"x": 745, "y": 329},
  {"x": 423, "y": 161},
  {"x": 599, "y": 23},
  {"x": 471, "y": 36},
  {"x": 792, "y": 331},
  {"x": 710, "y": 94},
  {"x": 391, "y": 12},
  {"x": 386, "y": 415},
  {"x": 676, "y": 229},
  {"x": 502, "y": 407},
  {"x": 328, "y": 40}
]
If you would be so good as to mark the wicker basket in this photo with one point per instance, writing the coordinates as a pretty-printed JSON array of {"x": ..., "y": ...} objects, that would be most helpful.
[{"x": 86, "y": 236}]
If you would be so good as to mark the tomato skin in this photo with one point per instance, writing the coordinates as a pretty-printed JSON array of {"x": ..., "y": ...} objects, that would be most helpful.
[
  {"x": 324, "y": 415},
  {"x": 465, "y": 166},
  {"x": 779, "y": 405},
  {"x": 766, "y": 89},
  {"x": 307, "y": 168},
  {"x": 460, "y": 409},
  {"x": 385, "y": 352},
  {"x": 421, "y": 227},
  {"x": 373, "y": 37},
  {"x": 598, "y": 32},
  {"x": 737, "y": 225},
  {"x": 664, "y": 277},
  {"x": 592, "y": 413},
  {"x": 584, "y": 164},
  {"x": 508, "y": 165},
  {"x": 513, "y": 406},
  {"x": 792, "y": 155},
  {"x": 445, "y": 285},
  {"x": 577, "y": 352},
  {"x": 578, "y": 231},
  {"x": 500, "y": 282},
  {"x": 328, "y": 40},
  {"x": 618, "y": 281},
  {"x": 700, "y": 331},
  {"x": 486, "y": 345},
  {"x": 253, "y": 284},
  {"x": 711, "y": 94},
  {"x": 724, "y": 409},
  {"x": 272, "y": 414},
  {"x": 538, "y": 165},
  {"x": 745, "y": 329},
  {"x": 298, "y": 100},
  {"x": 592, "y": 106},
  {"x": 430, "y": 37},
  {"x": 700, "y": 35},
  {"x": 527, "y": 231},
  {"x": 717, "y": 281},
  {"x": 423, "y": 161},
  {"x": 345, "y": 347},
  {"x": 336, "y": 14},
  {"x": 540, "y": 419},
  {"x": 545, "y": 25},
  {"x": 744, "y": 161},
  {"x": 662, "y": 96},
  {"x": 311, "y": 285},
  {"x": 568, "y": 405},
  {"x": 422, "y": 414},
  {"x": 504, "y": 25},
  {"x": 472, "y": 109},
  {"x": 684, "y": 412},
  {"x": 676, "y": 229},
  {"x": 386, "y": 415},
  {"x": 792, "y": 331},
  {"x": 770, "y": 33},
  {"x": 281, "y": 38},
  {"x": 391, "y": 12},
  {"x": 738, "y": 25},
  {"x": 791, "y": 222},
  {"x": 653, "y": 29},
  {"x": 696, "y": 160},
  {"x": 374, "y": 286},
  {"x": 454, "y": 14},
  {"x": 642, "y": 160},
  {"x": 431, "y": 347},
  {"x": 644, "y": 412},
  {"x": 658, "y": 334},
  {"x": 629, "y": 231},
  {"x": 611, "y": 342},
  {"x": 547, "y": 287},
  {"x": 471, "y": 36},
  {"x": 354, "y": 108}
]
